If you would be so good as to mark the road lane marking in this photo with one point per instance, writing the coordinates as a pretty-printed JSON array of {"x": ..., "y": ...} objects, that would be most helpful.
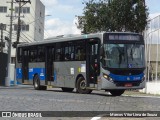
[
  {"x": 96, "y": 118},
  {"x": 141, "y": 96}
]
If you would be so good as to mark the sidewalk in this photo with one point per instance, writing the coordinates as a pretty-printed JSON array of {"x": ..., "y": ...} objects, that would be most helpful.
[{"x": 137, "y": 93}]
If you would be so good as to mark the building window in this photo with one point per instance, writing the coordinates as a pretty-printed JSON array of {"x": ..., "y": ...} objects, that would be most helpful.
[
  {"x": 3, "y": 9},
  {"x": 23, "y": 27},
  {"x": 22, "y": 10}
]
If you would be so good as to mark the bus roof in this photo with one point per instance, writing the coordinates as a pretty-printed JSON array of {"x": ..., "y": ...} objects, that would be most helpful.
[{"x": 63, "y": 38}]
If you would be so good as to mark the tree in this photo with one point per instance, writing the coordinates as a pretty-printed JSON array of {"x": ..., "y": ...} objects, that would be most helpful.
[{"x": 114, "y": 15}]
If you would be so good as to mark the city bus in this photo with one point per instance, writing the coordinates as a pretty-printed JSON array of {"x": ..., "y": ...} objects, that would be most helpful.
[{"x": 110, "y": 61}]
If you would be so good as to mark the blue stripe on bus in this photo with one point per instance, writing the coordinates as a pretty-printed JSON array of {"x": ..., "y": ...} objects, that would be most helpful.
[
  {"x": 122, "y": 78},
  {"x": 55, "y": 76},
  {"x": 39, "y": 71},
  {"x": 31, "y": 72}
]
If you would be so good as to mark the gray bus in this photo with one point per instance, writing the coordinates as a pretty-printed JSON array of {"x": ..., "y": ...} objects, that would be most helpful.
[{"x": 110, "y": 61}]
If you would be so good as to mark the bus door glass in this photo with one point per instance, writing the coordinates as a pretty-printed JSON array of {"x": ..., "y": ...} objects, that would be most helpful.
[
  {"x": 93, "y": 60},
  {"x": 49, "y": 63},
  {"x": 25, "y": 60}
]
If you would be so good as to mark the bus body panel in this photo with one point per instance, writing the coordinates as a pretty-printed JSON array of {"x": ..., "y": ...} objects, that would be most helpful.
[
  {"x": 37, "y": 68},
  {"x": 118, "y": 81},
  {"x": 67, "y": 72}
]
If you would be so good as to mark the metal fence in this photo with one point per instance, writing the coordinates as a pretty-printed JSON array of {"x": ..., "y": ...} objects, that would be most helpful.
[{"x": 152, "y": 45}]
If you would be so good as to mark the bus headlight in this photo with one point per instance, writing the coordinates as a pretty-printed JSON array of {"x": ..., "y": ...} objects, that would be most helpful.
[{"x": 107, "y": 77}]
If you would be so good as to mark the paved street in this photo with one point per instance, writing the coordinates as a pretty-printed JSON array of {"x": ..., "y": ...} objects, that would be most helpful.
[{"x": 25, "y": 98}]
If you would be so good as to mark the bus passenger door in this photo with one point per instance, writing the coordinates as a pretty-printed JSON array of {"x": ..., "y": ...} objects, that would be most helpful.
[
  {"x": 25, "y": 60},
  {"x": 49, "y": 64},
  {"x": 93, "y": 61}
]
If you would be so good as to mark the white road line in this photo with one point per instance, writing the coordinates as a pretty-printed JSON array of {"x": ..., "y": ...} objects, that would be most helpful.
[
  {"x": 96, "y": 118},
  {"x": 142, "y": 96}
]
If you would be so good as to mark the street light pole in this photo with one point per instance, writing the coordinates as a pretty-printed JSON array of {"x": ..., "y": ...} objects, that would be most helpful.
[{"x": 7, "y": 80}]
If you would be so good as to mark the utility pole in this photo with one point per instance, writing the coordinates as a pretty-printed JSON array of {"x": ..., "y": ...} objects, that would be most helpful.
[
  {"x": 19, "y": 23},
  {"x": 18, "y": 30},
  {"x": 1, "y": 27},
  {"x": 7, "y": 81},
  {"x": 19, "y": 20}
]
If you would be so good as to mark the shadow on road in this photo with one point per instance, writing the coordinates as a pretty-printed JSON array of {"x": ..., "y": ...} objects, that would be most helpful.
[{"x": 30, "y": 87}]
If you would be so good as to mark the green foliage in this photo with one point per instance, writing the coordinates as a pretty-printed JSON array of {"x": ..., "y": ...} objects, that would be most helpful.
[{"x": 113, "y": 15}]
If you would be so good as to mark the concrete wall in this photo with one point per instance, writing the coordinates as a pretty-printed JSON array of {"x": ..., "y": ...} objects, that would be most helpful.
[{"x": 152, "y": 88}]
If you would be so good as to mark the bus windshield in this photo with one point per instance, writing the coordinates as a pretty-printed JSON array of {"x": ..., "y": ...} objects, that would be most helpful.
[{"x": 124, "y": 56}]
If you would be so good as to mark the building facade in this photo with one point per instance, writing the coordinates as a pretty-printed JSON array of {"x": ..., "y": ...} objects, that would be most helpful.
[
  {"x": 152, "y": 48},
  {"x": 32, "y": 22}
]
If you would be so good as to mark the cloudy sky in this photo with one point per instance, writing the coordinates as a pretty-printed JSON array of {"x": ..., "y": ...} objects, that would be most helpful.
[{"x": 63, "y": 12}]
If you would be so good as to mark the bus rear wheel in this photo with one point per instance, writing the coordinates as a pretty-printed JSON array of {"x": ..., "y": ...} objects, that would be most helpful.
[
  {"x": 36, "y": 83},
  {"x": 116, "y": 92},
  {"x": 67, "y": 89},
  {"x": 81, "y": 86}
]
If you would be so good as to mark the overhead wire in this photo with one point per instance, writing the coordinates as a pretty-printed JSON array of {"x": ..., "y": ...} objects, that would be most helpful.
[
  {"x": 14, "y": 36},
  {"x": 33, "y": 27},
  {"x": 27, "y": 37}
]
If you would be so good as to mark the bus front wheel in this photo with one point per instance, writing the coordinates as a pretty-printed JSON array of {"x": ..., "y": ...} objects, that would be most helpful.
[
  {"x": 81, "y": 86},
  {"x": 37, "y": 85},
  {"x": 116, "y": 92}
]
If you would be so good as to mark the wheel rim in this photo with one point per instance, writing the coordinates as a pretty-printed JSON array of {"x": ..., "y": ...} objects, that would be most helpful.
[{"x": 83, "y": 84}]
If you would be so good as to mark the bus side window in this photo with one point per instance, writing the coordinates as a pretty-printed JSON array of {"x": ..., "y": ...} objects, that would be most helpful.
[
  {"x": 69, "y": 52},
  {"x": 40, "y": 55},
  {"x": 77, "y": 56},
  {"x": 59, "y": 51},
  {"x": 66, "y": 53},
  {"x": 72, "y": 53},
  {"x": 33, "y": 54},
  {"x": 80, "y": 53}
]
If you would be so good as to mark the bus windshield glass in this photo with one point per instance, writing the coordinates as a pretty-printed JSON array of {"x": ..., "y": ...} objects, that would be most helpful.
[{"x": 124, "y": 56}]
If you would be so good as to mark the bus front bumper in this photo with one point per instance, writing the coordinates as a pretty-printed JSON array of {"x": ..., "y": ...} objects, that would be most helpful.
[{"x": 110, "y": 85}]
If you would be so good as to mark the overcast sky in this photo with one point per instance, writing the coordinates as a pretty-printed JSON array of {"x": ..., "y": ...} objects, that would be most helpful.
[{"x": 63, "y": 12}]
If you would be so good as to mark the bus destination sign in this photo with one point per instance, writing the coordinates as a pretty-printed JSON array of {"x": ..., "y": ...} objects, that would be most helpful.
[{"x": 124, "y": 37}]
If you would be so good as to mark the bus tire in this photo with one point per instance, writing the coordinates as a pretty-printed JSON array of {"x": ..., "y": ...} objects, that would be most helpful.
[
  {"x": 37, "y": 85},
  {"x": 67, "y": 89},
  {"x": 81, "y": 86},
  {"x": 116, "y": 92}
]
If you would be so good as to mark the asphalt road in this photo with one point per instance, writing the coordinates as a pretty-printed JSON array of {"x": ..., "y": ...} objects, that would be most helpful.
[{"x": 25, "y": 98}]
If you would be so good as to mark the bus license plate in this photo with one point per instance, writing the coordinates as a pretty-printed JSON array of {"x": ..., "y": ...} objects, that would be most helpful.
[{"x": 128, "y": 85}]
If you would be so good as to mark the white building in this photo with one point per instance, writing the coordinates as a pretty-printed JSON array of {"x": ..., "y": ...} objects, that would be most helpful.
[
  {"x": 32, "y": 21},
  {"x": 152, "y": 41}
]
